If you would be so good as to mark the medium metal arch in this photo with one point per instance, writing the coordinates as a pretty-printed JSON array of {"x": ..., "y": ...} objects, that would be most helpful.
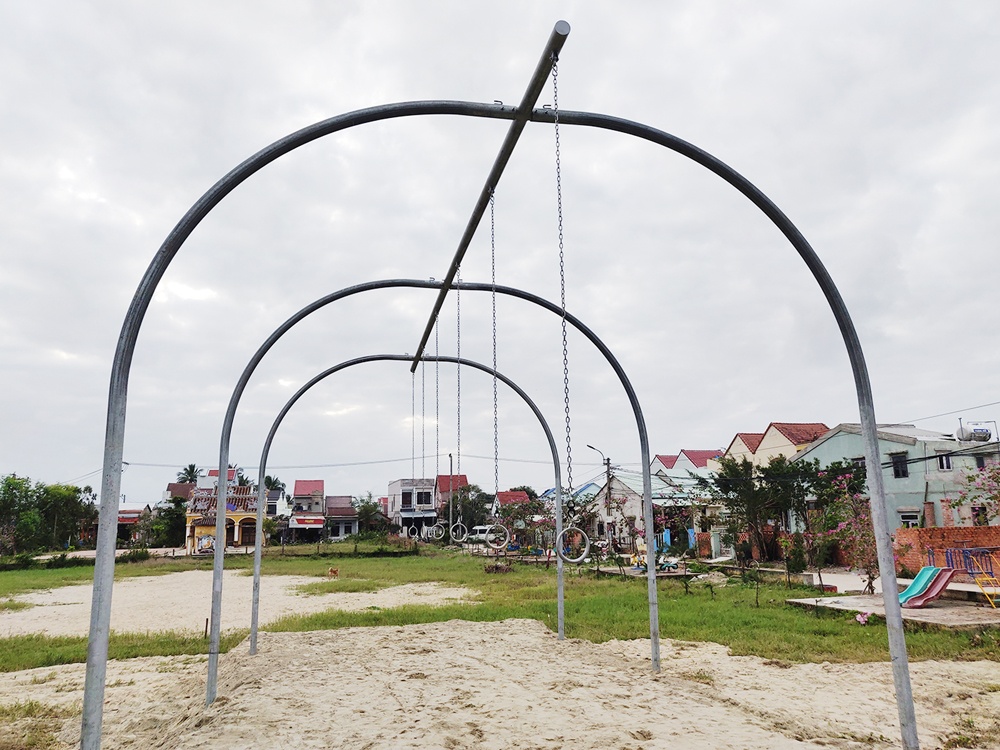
[
  {"x": 215, "y": 631},
  {"x": 557, "y": 468},
  {"x": 97, "y": 648}
]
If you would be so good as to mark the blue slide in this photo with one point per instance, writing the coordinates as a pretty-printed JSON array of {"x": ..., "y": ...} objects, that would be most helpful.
[{"x": 919, "y": 585}]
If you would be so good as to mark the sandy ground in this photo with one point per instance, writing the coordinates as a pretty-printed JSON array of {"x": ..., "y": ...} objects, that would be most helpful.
[
  {"x": 508, "y": 684},
  {"x": 183, "y": 602}
]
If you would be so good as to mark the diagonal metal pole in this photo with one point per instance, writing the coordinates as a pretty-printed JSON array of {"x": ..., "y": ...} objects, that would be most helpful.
[{"x": 521, "y": 116}]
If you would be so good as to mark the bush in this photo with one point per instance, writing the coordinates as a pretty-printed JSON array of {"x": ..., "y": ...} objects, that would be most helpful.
[
  {"x": 62, "y": 561},
  {"x": 139, "y": 554},
  {"x": 797, "y": 556}
]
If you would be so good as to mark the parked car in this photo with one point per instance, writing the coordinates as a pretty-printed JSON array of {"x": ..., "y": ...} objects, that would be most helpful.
[{"x": 477, "y": 535}]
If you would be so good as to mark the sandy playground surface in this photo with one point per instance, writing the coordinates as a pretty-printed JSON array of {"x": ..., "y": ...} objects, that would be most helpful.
[{"x": 459, "y": 684}]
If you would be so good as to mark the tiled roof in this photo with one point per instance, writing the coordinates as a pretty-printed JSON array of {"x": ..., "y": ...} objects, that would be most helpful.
[
  {"x": 457, "y": 482},
  {"x": 750, "y": 439},
  {"x": 700, "y": 458},
  {"x": 801, "y": 433},
  {"x": 304, "y": 487},
  {"x": 340, "y": 505},
  {"x": 231, "y": 473},
  {"x": 512, "y": 496},
  {"x": 667, "y": 461},
  {"x": 181, "y": 489},
  {"x": 238, "y": 500}
]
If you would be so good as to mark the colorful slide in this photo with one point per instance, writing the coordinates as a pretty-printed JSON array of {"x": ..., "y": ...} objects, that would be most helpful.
[{"x": 929, "y": 584}]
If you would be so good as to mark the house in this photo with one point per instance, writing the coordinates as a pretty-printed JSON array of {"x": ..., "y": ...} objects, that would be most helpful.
[
  {"x": 179, "y": 489},
  {"x": 201, "y": 518},
  {"x": 662, "y": 464},
  {"x": 445, "y": 485},
  {"x": 778, "y": 439},
  {"x": 922, "y": 470},
  {"x": 129, "y": 523},
  {"x": 341, "y": 516},
  {"x": 412, "y": 505},
  {"x": 308, "y": 518},
  {"x": 625, "y": 512}
]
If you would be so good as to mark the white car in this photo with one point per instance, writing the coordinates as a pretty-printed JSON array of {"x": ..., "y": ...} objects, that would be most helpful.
[{"x": 478, "y": 534}]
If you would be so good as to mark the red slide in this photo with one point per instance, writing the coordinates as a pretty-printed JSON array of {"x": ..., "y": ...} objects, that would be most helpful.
[{"x": 934, "y": 590}]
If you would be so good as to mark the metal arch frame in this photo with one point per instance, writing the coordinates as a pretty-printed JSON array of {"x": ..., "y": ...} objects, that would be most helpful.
[
  {"x": 97, "y": 646},
  {"x": 215, "y": 631},
  {"x": 258, "y": 544}
]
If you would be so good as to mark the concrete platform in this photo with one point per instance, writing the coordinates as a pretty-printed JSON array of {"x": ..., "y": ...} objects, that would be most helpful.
[{"x": 951, "y": 614}]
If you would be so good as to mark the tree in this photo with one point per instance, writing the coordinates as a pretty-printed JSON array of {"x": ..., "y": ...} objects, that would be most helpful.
[
  {"x": 167, "y": 525},
  {"x": 189, "y": 474},
  {"x": 472, "y": 505},
  {"x": 370, "y": 516},
  {"x": 981, "y": 489},
  {"x": 532, "y": 495},
  {"x": 273, "y": 483}
]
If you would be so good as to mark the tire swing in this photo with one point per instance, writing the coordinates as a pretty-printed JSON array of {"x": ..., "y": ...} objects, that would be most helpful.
[
  {"x": 571, "y": 528},
  {"x": 497, "y": 535}
]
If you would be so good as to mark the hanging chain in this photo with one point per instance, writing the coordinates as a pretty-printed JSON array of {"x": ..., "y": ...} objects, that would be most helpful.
[
  {"x": 423, "y": 421},
  {"x": 413, "y": 425},
  {"x": 458, "y": 372},
  {"x": 496, "y": 421},
  {"x": 562, "y": 273},
  {"x": 437, "y": 403}
]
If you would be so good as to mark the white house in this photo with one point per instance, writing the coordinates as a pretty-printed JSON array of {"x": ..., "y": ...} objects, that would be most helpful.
[{"x": 922, "y": 470}]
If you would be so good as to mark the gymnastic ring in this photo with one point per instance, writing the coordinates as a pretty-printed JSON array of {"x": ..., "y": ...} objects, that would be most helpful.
[
  {"x": 412, "y": 531},
  {"x": 459, "y": 536},
  {"x": 506, "y": 536},
  {"x": 586, "y": 545},
  {"x": 435, "y": 532}
]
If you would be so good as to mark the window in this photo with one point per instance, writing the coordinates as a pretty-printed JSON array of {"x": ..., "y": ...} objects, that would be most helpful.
[
  {"x": 859, "y": 462},
  {"x": 407, "y": 499},
  {"x": 424, "y": 498},
  {"x": 900, "y": 469},
  {"x": 909, "y": 519},
  {"x": 944, "y": 461},
  {"x": 980, "y": 462}
]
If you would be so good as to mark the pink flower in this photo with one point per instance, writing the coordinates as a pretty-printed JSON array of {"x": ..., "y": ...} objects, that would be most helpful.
[{"x": 862, "y": 617}]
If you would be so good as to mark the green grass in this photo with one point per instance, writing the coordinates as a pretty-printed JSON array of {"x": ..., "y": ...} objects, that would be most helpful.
[
  {"x": 597, "y": 609},
  {"x": 31, "y": 651},
  {"x": 30, "y": 725}
]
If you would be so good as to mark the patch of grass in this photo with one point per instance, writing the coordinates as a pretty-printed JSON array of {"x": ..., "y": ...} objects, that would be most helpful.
[
  {"x": 30, "y": 725},
  {"x": 31, "y": 651},
  {"x": 9, "y": 605},
  {"x": 343, "y": 585},
  {"x": 700, "y": 676}
]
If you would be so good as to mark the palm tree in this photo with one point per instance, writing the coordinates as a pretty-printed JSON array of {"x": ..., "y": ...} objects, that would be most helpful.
[
  {"x": 273, "y": 483},
  {"x": 189, "y": 474}
]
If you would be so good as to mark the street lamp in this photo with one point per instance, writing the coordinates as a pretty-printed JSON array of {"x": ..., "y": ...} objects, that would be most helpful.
[{"x": 607, "y": 472}]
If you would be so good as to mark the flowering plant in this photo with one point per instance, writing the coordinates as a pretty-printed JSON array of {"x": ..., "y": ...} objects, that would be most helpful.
[{"x": 862, "y": 617}]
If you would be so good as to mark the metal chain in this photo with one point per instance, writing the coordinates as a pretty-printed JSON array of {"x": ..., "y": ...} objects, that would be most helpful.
[
  {"x": 413, "y": 424},
  {"x": 423, "y": 421},
  {"x": 437, "y": 403},
  {"x": 496, "y": 421},
  {"x": 562, "y": 274},
  {"x": 458, "y": 372}
]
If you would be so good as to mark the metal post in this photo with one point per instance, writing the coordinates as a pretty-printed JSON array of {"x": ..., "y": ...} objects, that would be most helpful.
[{"x": 451, "y": 497}]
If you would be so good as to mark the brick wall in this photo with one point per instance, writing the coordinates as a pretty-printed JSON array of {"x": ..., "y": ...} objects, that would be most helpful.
[{"x": 945, "y": 537}]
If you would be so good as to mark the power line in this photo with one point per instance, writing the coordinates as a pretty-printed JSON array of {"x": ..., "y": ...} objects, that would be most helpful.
[{"x": 949, "y": 413}]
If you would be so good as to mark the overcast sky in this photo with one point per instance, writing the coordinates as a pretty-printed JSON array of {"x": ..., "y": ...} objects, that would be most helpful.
[{"x": 873, "y": 126}]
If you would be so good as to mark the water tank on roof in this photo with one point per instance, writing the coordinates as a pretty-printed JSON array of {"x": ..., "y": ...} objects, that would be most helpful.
[{"x": 974, "y": 432}]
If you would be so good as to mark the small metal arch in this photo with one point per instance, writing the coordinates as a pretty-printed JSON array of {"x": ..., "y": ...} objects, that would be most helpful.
[{"x": 338, "y": 368}]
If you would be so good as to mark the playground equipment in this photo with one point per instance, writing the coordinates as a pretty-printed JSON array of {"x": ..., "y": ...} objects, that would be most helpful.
[
  {"x": 929, "y": 584},
  {"x": 519, "y": 116},
  {"x": 981, "y": 564}
]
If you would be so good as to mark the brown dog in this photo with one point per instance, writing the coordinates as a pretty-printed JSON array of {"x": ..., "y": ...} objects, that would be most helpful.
[{"x": 333, "y": 573}]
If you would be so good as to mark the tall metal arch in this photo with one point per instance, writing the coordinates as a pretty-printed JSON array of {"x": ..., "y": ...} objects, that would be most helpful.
[
  {"x": 258, "y": 543},
  {"x": 97, "y": 646},
  {"x": 215, "y": 632}
]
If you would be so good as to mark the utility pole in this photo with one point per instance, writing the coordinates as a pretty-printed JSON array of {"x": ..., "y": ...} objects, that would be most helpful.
[{"x": 607, "y": 481}]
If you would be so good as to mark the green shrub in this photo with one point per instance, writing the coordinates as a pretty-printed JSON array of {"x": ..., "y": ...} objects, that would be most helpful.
[
  {"x": 797, "y": 556},
  {"x": 139, "y": 554}
]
